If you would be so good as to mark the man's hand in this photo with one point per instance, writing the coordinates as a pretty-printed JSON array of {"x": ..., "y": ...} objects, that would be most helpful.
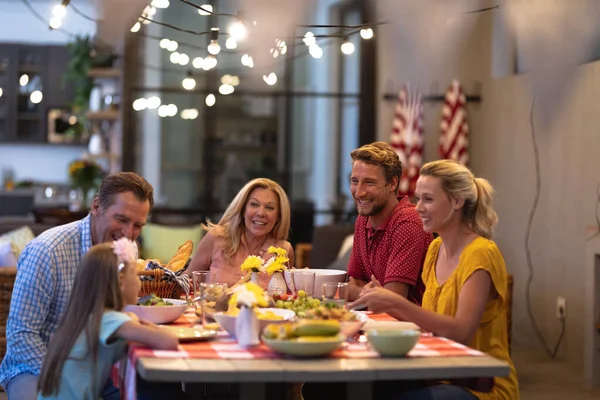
[{"x": 354, "y": 288}]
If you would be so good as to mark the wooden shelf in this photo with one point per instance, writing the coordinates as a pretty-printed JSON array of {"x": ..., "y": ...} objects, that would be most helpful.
[
  {"x": 104, "y": 73},
  {"x": 109, "y": 115}
]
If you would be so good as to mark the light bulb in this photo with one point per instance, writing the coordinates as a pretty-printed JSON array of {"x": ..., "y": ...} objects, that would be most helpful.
[
  {"x": 209, "y": 63},
  {"x": 226, "y": 89},
  {"x": 55, "y": 22},
  {"x": 173, "y": 45},
  {"x": 235, "y": 80},
  {"x": 1, "y": 92},
  {"x": 207, "y": 7},
  {"x": 366, "y": 33},
  {"x": 160, "y": 3},
  {"x": 59, "y": 11},
  {"x": 226, "y": 79},
  {"x": 214, "y": 48},
  {"x": 270, "y": 79},
  {"x": 237, "y": 30},
  {"x": 153, "y": 102},
  {"x": 189, "y": 113},
  {"x": 245, "y": 58},
  {"x": 164, "y": 43},
  {"x": 188, "y": 83},
  {"x": 24, "y": 80},
  {"x": 163, "y": 111},
  {"x": 145, "y": 21},
  {"x": 183, "y": 59},
  {"x": 309, "y": 39},
  {"x": 347, "y": 47},
  {"x": 231, "y": 43},
  {"x": 315, "y": 51},
  {"x": 149, "y": 11},
  {"x": 136, "y": 27},
  {"x": 140, "y": 104},
  {"x": 210, "y": 100},
  {"x": 171, "y": 110},
  {"x": 174, "y": 57},
  {"x": 197, "y": 62},
  {"x": 36, "y": 97}
]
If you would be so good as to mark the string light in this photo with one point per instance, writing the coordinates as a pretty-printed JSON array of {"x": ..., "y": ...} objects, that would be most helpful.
[
  {"x": 183, "y": 59},
  {"x": 55, "y": 23},
  {"x": 366, "y": 33},
  {"x": 347, "y": 47},
  {"x": 160, "y": 3},
  {"x": 153, "y": 102},
  {"x": 189, "y": 113},
  {"x": 210, "y": 100},
  {"x": 172, "y": 46},
  {"x": 24, "y": 80},
  {"x": 1, "y": 92},
  {"x": 188, "y": 83},
  {"x": 247, "y": 61},
  {"x": 209, "y": 63},
  {"x": 174, "y": 57},
  {"x": 315, "y": 51},
  {"x": 59, "y": 11},
  {"x": 136, "y": 27},
  {"x": 238, "y": 30},
  {"x": 270, "y": 79},
  {"x": 36, "y": 97},
  {"x": 206, "y": 9},
  {"x": 214, "y": 48},
  {"x": 198, "y": 62},
  {"x": 231, "y": 43},
  {"x": 140, "y": 104},
  {"x": 164, "y": 43},
  {"x": 226, "y": 89}
]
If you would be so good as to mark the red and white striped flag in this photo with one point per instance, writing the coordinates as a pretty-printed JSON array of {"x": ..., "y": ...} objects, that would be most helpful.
[
  {"x": 407, "y": 138},
  {"x": 454, "y": 136}
]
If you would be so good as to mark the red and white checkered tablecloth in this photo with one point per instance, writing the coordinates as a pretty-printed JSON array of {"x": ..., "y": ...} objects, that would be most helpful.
[{"x": 224, "y": 347}]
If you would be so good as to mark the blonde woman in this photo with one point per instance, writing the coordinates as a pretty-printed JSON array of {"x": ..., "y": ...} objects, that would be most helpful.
[
  {"x": 258, "y": 217},
  {"x": 464, "y": 274}
]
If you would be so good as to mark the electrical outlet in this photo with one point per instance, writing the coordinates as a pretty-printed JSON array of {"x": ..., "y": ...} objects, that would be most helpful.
[{"x": 561, "y": 308}]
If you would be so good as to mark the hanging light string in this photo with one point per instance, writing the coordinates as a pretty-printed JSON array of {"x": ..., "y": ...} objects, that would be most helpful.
[
  {"x": 37, "y": 15},
  {"x": 209, "y": 12}
]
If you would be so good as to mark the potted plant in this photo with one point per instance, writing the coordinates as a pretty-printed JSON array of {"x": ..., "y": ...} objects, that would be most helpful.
[{"x": 86, "y": 53}]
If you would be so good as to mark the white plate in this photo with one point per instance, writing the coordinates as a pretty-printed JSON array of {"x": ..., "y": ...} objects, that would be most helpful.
[{"x": 390, "y": 325}]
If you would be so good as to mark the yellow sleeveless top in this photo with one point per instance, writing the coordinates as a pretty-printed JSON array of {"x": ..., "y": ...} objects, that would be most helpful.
[{"x": 491, "y": 336}]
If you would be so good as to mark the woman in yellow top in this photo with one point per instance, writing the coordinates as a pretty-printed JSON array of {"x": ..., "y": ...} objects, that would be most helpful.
[{"x": 464, "y": 274}]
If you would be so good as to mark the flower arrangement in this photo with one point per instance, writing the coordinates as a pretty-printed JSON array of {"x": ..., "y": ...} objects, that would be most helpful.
[
  {"x": 277, "y": 263},
  {"x": 248, "y": 295},
  {"x": 85, "y": 175}
]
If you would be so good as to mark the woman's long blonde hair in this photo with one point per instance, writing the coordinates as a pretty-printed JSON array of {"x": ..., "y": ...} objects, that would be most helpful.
[
  {"x": 96, "y": 289},
  {"x": 459, "y": 183},
  {"x": 231, "y": 226}
]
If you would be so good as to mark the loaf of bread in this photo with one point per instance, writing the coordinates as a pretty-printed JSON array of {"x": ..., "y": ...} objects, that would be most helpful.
[{"x": 181, "y": 257}]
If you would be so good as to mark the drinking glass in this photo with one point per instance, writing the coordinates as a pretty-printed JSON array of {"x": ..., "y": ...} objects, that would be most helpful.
[
  {"x": 209, "y": 293},
  {"x": 199, "y": 277},
  {"x": 304, "y": 281},
  {"x": 335, "y": 292}
]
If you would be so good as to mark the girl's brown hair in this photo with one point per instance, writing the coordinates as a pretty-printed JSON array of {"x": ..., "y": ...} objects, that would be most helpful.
[
  {"x": 459, "y": 183},
  {"x": 231, "y": 226},
  {"x": 95, "y": 290}
]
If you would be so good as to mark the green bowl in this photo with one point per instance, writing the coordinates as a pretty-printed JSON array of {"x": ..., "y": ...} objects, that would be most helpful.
[{"x": 393, "y": 343}]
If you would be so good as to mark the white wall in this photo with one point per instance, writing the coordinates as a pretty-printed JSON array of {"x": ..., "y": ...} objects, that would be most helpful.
[{"x": 18, "y": 25}]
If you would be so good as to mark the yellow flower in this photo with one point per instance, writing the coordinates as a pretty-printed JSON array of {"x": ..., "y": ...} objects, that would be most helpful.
[
  {"x": 278, "y": 251},
  {"x": 252, "y": 263},
  {"x": 279, "y": 264},
  {"x": 244, "y": 291}
]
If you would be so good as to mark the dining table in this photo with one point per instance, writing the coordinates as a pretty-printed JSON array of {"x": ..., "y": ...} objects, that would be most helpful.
[{"x": 263, "y": 374}]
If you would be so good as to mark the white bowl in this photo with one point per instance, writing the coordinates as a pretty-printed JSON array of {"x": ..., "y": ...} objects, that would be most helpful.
[
  {"x": 227, "y": 322},
  {"x": 321, "y": 276},
  {"x": 159, "y": 314}
]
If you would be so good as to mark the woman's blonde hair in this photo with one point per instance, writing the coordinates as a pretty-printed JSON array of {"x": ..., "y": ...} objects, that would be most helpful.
[
  {"x": 96, "y": 289},
  {"x": 459, "y": 183},
  {"x": 231, "y": 226}
]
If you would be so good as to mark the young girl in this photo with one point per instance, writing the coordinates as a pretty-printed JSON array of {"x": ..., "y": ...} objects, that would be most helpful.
[{"x": 94, "y": 332}]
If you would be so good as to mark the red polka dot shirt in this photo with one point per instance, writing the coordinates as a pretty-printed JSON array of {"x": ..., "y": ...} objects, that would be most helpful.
[{"x": 394, "y": 252}]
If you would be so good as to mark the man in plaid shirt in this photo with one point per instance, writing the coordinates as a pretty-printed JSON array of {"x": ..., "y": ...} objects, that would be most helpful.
[{"x": 46, "y": 271}]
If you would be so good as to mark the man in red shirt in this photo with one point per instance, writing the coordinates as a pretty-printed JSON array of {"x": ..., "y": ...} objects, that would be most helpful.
[{"x": 389, "y": 241}]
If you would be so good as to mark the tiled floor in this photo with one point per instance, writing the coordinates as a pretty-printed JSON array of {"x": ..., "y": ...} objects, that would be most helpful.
[{"x": 540, "y": 378}]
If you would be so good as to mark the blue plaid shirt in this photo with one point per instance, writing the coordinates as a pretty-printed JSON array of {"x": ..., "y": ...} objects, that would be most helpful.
[{"x": 45, "y": 275}]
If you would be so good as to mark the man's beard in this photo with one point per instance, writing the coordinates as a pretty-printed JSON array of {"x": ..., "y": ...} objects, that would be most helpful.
[{"x": 377, "y": 208}]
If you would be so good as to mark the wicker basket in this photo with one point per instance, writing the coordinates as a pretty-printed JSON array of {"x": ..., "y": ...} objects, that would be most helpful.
[{"x": 166, "y": 290}]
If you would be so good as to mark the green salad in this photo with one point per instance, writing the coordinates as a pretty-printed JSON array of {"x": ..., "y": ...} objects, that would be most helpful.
[{"x": 153, "y": 301}]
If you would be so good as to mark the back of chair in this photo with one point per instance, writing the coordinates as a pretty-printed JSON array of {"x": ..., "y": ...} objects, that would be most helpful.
[{"x": 7, "y": 281}]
